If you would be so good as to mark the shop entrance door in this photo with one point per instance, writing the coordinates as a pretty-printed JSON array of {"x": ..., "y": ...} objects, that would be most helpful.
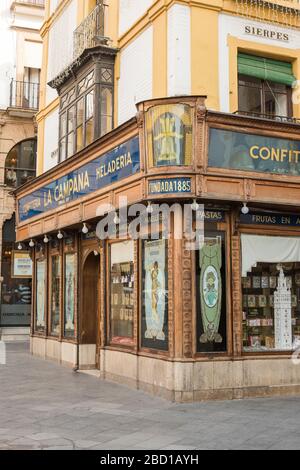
[{"x": 89, "y": 318}]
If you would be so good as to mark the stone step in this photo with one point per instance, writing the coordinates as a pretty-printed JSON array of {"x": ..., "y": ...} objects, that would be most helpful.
[{"x": 8, "y": 334}]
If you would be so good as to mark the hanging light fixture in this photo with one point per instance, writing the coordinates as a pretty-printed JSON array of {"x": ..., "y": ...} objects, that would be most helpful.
[
  {"x": 195, "y": 205},
  {"x": 85, "y": 229},
  {"x": 20, "y": 247},
  {"x": 46, "y": 239},
  {"x": 245, "y": 209},
  {"x": 31, "y": 244},
  {"x": 149, "y": 208},
  {"x": 96, "y": 253},
  {"x": 116, "y": 219},
  {"x": 60, "y": 235}
]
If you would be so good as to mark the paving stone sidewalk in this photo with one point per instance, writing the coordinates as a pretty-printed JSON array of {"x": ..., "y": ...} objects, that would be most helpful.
[{"x": 47, "y": 406}]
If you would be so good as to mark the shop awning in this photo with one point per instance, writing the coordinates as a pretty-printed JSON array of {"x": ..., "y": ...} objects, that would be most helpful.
[
  {"x": 267, "y": 249},
  {"x": 266, "y": 69}
]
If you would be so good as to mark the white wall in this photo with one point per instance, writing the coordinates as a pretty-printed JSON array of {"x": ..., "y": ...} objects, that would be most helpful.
[
  {"x": 51, "y": 140},
  {"x": 135, "y": 83},
  {"x": 60, "y": 53},
  {"x": 7, "y": 53},
  {"x": 179, "y": 50},
  {"x": 234, "y": 26},
  {"x": 53, "y": 5},
  {"x": 130, "y": 12}
]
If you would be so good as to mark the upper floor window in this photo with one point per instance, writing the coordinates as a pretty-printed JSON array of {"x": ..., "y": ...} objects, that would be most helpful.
[
  {"x": 20, "y": 163},
  {"x": 86, "y": 110},
  {"x": 265, "y": 86}
]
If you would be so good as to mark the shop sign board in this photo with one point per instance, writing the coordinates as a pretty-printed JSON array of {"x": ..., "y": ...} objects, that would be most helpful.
[
  {"x": 115, "y": 165},
  {"x": 170, "y": 186},
  {"x": 259, "y": 218},
  {"x": 21, "y": 264},
  {"x": 255, "y": 153}
]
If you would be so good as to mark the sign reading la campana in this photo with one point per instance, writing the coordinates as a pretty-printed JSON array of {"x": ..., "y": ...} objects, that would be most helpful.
[
  {"x": 121, "y": 162},
  {"x": 250, "y": 152}
]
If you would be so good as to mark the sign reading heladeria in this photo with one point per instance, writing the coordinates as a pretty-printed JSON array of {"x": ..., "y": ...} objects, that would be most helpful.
[{"x": 121, "y": 162}]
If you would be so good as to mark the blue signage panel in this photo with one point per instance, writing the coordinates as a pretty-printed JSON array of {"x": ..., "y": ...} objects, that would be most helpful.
[
  {"x": 121, "y": 162},
  {"x": 256, "y": 218},
  {"x": 170, "y": 186},
  {"x": 250, "y": 152}
]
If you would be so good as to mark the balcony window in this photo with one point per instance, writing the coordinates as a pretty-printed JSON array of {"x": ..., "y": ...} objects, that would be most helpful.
[
  {"x": 265, "y": 87},
  {"x": 261, "y": 97},
  {"x": 86, "y": 111},
  {"x": 20, "y": 164}
]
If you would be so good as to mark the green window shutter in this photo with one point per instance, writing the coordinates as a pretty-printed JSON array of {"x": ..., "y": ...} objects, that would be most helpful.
[{"x": 266, "y": 69}]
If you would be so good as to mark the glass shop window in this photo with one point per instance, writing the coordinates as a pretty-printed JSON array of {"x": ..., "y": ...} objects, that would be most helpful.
[
  {"x": 20, "y": 164},
  {"x": 41, "y": 289},
  {"x": 122, "y": 293},
  {"x": 69, "y": 294},
  {"x": 86, "y": 111},
  {"x": 16, "y": 271},
  {"x": 271, "y": 293},
  {"x": 154, "y": 328},
  {"x": 55, "y": 295},
  {"x": 211, "y": 294},
  {"x": 169, "y": 135}
]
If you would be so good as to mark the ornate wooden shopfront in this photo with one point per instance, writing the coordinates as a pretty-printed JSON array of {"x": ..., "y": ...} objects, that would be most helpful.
[{"x": 185, "y": 323}]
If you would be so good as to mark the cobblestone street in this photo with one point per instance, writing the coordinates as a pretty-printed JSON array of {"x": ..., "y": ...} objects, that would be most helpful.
[{"x": 46, "y": 406}]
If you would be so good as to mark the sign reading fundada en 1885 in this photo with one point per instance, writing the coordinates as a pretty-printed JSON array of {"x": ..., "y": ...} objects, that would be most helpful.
[
  {"x": 121, "y": 162},
  {"x": 170, "y": 186},
  {"x": 250, "y": 152}
]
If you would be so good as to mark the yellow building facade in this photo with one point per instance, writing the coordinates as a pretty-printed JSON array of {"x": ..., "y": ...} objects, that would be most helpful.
[{"x": 186, "y": 47}]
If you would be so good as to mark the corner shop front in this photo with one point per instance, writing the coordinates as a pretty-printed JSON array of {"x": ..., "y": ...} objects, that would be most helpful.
[{"x": 209, "y": 323}]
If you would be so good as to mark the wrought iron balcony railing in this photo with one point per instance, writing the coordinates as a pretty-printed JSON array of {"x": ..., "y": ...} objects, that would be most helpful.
[
  {"x": 272, "y": 117},
  {"x": 24, "y": 95},
  {"x": 285, "y": 12},
  {"x": 90, "y": 32},
  {"x": 40, "y": 3}
]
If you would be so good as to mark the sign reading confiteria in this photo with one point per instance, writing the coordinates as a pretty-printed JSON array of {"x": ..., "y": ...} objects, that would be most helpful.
[
  {"x": 250, "y": 152},
  {"x": 121, "y": 162}
]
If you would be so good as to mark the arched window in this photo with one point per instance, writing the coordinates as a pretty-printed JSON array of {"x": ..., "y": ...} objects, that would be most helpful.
[{"x": 20, "y": 164}]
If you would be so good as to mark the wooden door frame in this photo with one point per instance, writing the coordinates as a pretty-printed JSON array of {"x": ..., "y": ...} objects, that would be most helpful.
[{"x": 87, "y": 249}]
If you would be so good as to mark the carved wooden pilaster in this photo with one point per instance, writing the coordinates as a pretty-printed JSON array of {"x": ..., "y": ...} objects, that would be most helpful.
[
  {"x": 200, "y": 134},
  {"x": 102, "y": 294},
  {"x": 237, "y": 312},
  {"x": 171, "y": 323},
  {"x": 136, "y": 294},
  {"x": 187, "y": 304}
]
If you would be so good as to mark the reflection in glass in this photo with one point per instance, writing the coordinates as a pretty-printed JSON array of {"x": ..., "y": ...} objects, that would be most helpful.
[
  {"x": 169, "y": 135},
  {"x": 155, "y": 295},
  {"x": 122, "y": 292},
  {"x": 20, "y": 164},
  {"x": 69, "y": 294},
  {"x": 271, "y": 291},
  {"x": 55, "y": 294},
  {"x": 40, "y": 294},
  {"x": 211, "y": 294}
]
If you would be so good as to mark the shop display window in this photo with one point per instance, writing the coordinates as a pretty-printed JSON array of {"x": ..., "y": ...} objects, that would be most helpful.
[
  {"x": 154, "y": 328},
  {"x": 55, "y": 294},
  {"x": 270, "y": 293},
  {"x": 69, "y": 294},
  {"x": 122, "y": 292},
  {"x": 211, "y": 294},
  {"x": 169, "y": 135},
  {"x": 41, "y": 289},
  {"x": 271, "y": 307}
]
